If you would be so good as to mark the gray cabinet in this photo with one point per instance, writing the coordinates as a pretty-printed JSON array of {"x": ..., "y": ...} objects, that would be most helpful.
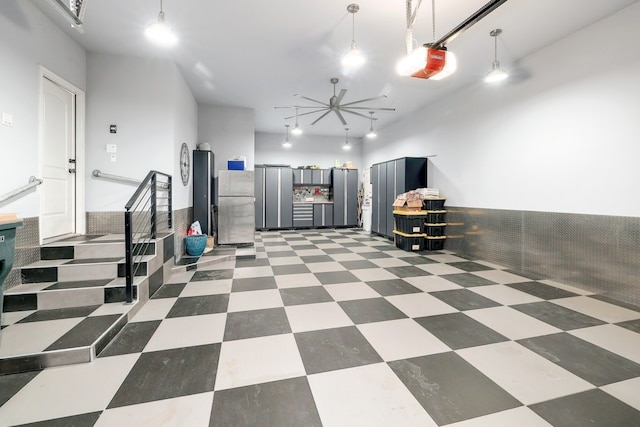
[
  {"x": 274, "y": 197},
  {"x": 388, "y": 179},
  {"x": 302, "y": 215},
  {"x": 322, "y": 215},
  {"x": 312, "y": 176},
  {"x": 345, "y": 197}
]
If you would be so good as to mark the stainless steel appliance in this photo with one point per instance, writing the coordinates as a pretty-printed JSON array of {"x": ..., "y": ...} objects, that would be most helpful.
[{"x": 236, "y": 208}]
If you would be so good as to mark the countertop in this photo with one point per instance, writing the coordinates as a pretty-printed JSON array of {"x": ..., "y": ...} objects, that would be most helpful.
[{"x": 314, "y": 203}]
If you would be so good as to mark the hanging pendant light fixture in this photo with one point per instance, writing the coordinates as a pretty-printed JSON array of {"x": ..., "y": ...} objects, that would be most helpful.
[
  {"x": 354, "y": 58},
  {"x": 496, "y": 74},
  {"x": 160, "y": 33},
  {"x": 346, "y": 146},
  {"x": 286, "y": 143},
  {"x": 372, "y": 133},
  {"x": 297, "y": 130}
]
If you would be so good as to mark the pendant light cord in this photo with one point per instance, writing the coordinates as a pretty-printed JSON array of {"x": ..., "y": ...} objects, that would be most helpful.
[{"x": 433, "y": 18}]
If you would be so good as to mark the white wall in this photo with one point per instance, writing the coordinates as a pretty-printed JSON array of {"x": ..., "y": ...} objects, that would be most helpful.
[
  {"x": 154, "y": 111},
  {"x": 29, "y": 40},
  {"x": 229, "y": 130},
  {"x": 561, "y": 136},
  {"x": 307, "y": 150}
]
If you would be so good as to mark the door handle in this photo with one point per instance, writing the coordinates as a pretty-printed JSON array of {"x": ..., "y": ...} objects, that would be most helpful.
[
  {"x": 72, "y": 160},
  {"x": 72, "y": 170}
]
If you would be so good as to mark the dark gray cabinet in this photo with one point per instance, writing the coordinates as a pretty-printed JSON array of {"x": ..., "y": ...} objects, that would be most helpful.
[
  {"x": 203, "y": 189},
  {"x": 345, "y": 197},
  {"x": 312, "y": 176},
  {"x": 274, "y": 197},
  {"x": 388, "y": 179},
  {"x": 302, "y": 215},
  {"x": 322, "y": 215}
]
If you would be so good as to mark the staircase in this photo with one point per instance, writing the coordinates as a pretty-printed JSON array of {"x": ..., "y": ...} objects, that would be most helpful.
[{"x": 71, "y": 303}]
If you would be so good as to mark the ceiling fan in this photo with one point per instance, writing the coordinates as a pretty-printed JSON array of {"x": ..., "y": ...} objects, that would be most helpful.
[{"x": 335, "y": 105}]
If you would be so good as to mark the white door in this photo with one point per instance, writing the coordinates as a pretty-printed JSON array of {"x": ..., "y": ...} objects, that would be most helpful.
[{"x": 57, "y": 212}]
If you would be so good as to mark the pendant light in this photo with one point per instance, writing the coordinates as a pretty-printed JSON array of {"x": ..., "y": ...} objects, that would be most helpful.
[
  {"x": 286, "y": 143},
  {"x": 496, "y": 74},
  {"x": 296, "y": 129},
  {"x": 372, "y": 133},
  {"x": 160, "y": 33},
  {"x": 354, "y": 58},
  {"x": 346, "y": 146}
]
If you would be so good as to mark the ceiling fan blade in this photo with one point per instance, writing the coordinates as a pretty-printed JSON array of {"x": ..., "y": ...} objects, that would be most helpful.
[
  {"x": 311, "y": 112},
  {"x": 321, "y": 117},
  {"x": 370, "y": 109},
  {"x": 375, "y": 98},
  {"x": 341, "y": 95},
  {"x": 356, "y": 113},
  {"x": 313, "y": 100},
  {"x": 339, "y": 114}
]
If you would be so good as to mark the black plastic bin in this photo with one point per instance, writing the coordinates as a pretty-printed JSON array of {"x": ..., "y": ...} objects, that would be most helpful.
[
  {"x": 433, "y": 204},
  {"x": 434, "y": 243},
  {"x": 436, "y": 217},
  {"x": 435, "y": 230},
  {"x": 409, "y": 242},
  {"x": 410, "y": 222}
]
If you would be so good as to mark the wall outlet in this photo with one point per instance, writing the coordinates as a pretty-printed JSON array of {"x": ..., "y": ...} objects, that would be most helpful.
[
  {"x": 112, "y": 158},
  {"x": 112, "y": 148}
]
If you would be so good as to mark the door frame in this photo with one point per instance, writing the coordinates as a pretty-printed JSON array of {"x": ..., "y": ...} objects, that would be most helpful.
[{"x": 79, "y": 95}]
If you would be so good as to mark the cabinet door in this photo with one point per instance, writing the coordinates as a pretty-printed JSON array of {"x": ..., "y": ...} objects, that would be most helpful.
[
  {"x": 322, "y": 215},
  {"x": 352, "y": 197},
  {"x": 375, "y": 197},
  {"x": 328, "y": 215},
  {"x": 391, "y": 196},
  {"x": 316, "y": 176},
  {"x": 259, "y": 195},
  {"x": 326, "y": 176},
  {"x": 286, "y": 198},
  {"x": 339, "y": 197},
  {"x": 382, "y": 206},
  {"x": 272, "y": 197},
  {"x": 297, "y": 176}
]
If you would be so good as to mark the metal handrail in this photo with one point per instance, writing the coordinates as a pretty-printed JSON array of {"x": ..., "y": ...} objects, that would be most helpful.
[
  {"x": 141, "y": 222},
  {"x": 33, "y": 182},
  {"x": 99, "y": 174}
]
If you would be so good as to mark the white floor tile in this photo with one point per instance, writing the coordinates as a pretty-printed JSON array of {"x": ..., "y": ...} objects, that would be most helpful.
[
  {"x": 285, "y": 260},
  {"x": 323, "y": 267},
  {"x": 154, "y": 309},
  {"x": 346, "y": 257},
  {"x": 33, "y": 337},
  {"x": 207, "y": 287},
  {"x": 520, "y": 417},
  {"x": 420, "y": 305},
  {"x": 500, "y": 276},
  {"x": 371, "y": 274},
  {"x": 302, "y": 280},
  {"x": 490, "y": 264},
  {"x": 614, "y": 338},
  {"x": 310, "y": 252},
  {"x": 68, "y": 390},
  {"x": 224, "y": 265},
  {"x": 431, "y": 283},
  {"x": 627, "y": 391},
  {"x": 254, "y": 300},
  {"x": 598, "y": 309},
  {"x": 439, "y": 268},
  {"x": 504, "y": 294},
  {"x": 512, "y": 323},
  {"x": 401, "y": 339},
  {"x": 366, "y": 396},
  {"x": 250, "y": 272},
  {"x": 351, "y": 291},
  {"x": 188, "y": 331},
  {"x": 112, "y": 308},
  {"x": 258, "y": 360},
  {"x": 389, "y": 262},
  {"x": 362, "y": 249},
  {"x": 14, "y": 316},
  {"x": 530, "y": 378},
  {"x": 183, "y": 277},
  {"x": 311, "y": 317},
  {"x": 185, "y": 411}
]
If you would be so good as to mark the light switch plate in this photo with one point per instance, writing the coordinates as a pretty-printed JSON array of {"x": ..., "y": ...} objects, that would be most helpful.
[
  {"x": 112, "y": 148},
  {"x": 7, "y": 119}
]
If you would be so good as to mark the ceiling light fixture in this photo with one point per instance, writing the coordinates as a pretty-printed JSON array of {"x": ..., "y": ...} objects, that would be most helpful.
[
  {"x": 160, "y": 33},
  {"x": 496, "y": 74},
  {"x": 286, "y": 143},
  {"x": 346, "y": 146},
  {"x": 372, "y": 133},
  {"x": 354, "y": 58},
  {"x": 73, "y": 12},
  {"x": 296, "y": 129}
]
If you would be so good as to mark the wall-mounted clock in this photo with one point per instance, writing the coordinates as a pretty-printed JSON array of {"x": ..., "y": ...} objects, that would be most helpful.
[{"x": 184, "y": 164}]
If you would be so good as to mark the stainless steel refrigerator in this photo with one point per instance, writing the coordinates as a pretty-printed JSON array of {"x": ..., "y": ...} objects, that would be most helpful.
[{"x": 236, "y": 208}]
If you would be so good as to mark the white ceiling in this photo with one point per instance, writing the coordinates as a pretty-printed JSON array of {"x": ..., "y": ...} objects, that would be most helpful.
[{"x": 259, "y": 53}]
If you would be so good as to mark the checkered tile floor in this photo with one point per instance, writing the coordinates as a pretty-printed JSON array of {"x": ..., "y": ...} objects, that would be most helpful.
[{"x": 338, "y": 328}]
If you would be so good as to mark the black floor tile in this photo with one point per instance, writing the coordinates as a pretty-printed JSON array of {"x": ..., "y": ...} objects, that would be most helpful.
[
  {"x": 331, "y": 349},
  {"x": 588, "y": 361},
  {"x": 253, "y": 284},
  {"x": 407, "y": 271},
  {"x": 281, "y": 254},
  {"x": 371, "y": 310},
  {"x": 258, "y": 262},
  {"x": 632, "y": 325},
  {"x": 469, "y": 266},
  {"x": 450, "y": 389},
  {"x": 593, "y": 408},
  {"x": 169, "y": 373},
  {"x": 171, "y": 290},
  {"x": 557, "y": 316},
  {"x": 20, "y": 302},
  {"x": 467, "y": 280},
  {"x": 303, "y": 247},
  {"x": 334, "y": 251},
  {"x": 279, "y": 270},
  {"x": 357, "y": 264},
  {"x": 79, "y": 284},
  {"x": 459, "y": 331},
  {"x": 212, "y": 275},
  {"x": 278, "y": 242},
  {"x": 392, "y": 287},
  {"x": 464, "y": 299},
  {"x": 199, "y": 305},
  {"x": 56, "y": 252},
  {"x": 84, "y": 333},
  {"x": 83, "y": 420},
  {"x": 285, "y": 403},
  {"x": 118, "y": 294},
  {"x": 39, "y": 275},
  {"x": 256, "y": 323},
  {"x": 316, "y": 258},
  {"x": 335, "y": 277},
  {"x": 132, "y": 338},
  {"x": 352, "y": 244},
  {"x": 93, "y": 260},
  {"x": 541, "y": 290},
  {"x": 11, "y": 384},
  {"x": 306, "y": 295},
  {"x": 59, "y": 313},
  {"x": 376, "y": 255},
  {"x": 417, "y": 260}
]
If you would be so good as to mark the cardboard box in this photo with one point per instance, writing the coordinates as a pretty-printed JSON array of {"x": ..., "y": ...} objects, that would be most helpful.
[{"x": 413, "y": 205}]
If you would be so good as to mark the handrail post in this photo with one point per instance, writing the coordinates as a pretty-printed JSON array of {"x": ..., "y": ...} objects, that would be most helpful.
[
  {"x": 153, "y": 205},
  {"x": 128, "y": 257}
]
